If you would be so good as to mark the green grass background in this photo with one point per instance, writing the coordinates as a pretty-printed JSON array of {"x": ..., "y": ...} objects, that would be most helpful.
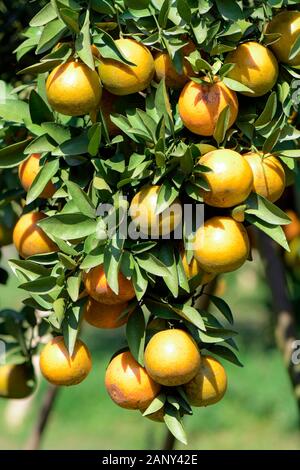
[{"x": 258, "y": 411}]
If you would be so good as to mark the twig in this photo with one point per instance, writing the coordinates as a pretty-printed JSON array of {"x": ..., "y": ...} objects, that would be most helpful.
[
  {"x": 49, "y": 398},
  {"x": 286, "y": 329}
]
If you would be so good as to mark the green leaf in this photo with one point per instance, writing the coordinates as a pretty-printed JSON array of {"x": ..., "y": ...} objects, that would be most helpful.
[
  {"x": 184, "y": 10},
  {"x": 29, "y": 268},
  {"x": 41, "y": 67},
  {"x": 271, "y": 141},
  {"x": 225, "y": 353},
  {"x": 73, "y": 285},
  {"x": 103, "y": 6},
  {"x": 39, "y": 111},
  {"x": 230, "y": 10},
  {"x": 81, "y": 200},
  {"x": 70, "y": 18},
  {"x": 151, "y": 264},
  {"x": 295, "y": 49},
  {"x": 40, "y": 145},
  {"x": 173, "y": 423},
  {"x": 236, "y": 86},
  {"x": 166, "y": 255},
  {"x": 42, "y": 285},
  {"x": 161, "y": 310},
  {"x": 67, "y": 261},
  {"x": 136, "y": 335},
  {"x": 59, "y": 306},
  {"x": 265, "y": 210},
  {"x": 46, "y": 14},
  {"x": 268, "y": 112},
  {"x": 167, "y": 194},
  {"x": 187, "y": 162},
  {"x": 223, "y": 307},
  {"x": 156, "y": 404},
  {"x": 94, "y": 136},
  {"x": 68, "y": 226},
  {"x": 13, "y": 155},
  {"x": 191, "y": 314},
  {"x": 273, "y": 231},
  {"x": 52, "y": 32},
  {"x": 164, "y": 13},
  {"x": 15, "y": 111},
  {"x": 56, "y": 131},
  {"x": 41, "y": 180},
  {"x": 83, "y": 43},
  {"x": 112, "y": 261},
  {"x": 290, "y": 153},
  {"x": 109, "y": 49},
  {"x": 162, "y": 105},
  {"x": 140, "y": 281},
  {"x": 137, "y": 4},
  {"x": 76, "y": 146},
  {"x": 222, "y": 125},
  {"x": 71, "y": 325},
  {"x": 182, "y": 279}
]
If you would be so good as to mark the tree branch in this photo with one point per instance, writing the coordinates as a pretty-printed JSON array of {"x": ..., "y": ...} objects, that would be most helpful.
[{"x": 49, "y": 398}]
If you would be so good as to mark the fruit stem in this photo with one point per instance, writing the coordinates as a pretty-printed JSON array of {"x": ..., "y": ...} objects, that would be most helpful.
[{"x": 119, "y": 23}]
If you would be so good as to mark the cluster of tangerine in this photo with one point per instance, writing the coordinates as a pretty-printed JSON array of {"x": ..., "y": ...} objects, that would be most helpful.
[{"x": 172, "y": 357}]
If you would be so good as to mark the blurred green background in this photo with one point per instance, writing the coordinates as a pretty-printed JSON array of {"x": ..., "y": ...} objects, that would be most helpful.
[{"x": 258, "y": 411}]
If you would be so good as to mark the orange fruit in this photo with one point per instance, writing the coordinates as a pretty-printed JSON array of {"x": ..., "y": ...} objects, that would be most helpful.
[
  {"x": 230, "y": 180},
  {"x": 29, "y": 239},
  {"x": 172, "y": 357},
  {"x": 97, "y": 287},
  {"x": 15, "y": 381},
  {"x": 165, "y": 69},
  {"x": 194, "y": 269},
  {"x": 221, "y": 245},
  {"x": 73, "y": 89},
  {"x": 287, "y": 24},
  {"x": 142, "y": 211},
  {"x": 105, "y": 316},
  {"x": 122, "y": 79},
  {"x": 200, "y": 105},
  {"x": 255, "y": 66},
  {"x": 59, "y": 368},
  {"x": 292, "y": 230},
  {"x": 209, "y": 385},
  {"x": 28, "y": 171},
  {"x": 268, "y": 175},
  {"x": 128, "y": 384}
]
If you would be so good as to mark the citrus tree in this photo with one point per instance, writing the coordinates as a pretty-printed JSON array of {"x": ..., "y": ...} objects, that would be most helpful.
[{"x": 139, "y": 118}]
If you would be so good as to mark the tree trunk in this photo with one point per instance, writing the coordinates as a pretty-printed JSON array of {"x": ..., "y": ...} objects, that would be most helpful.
[
  {"x": 49, "y": 398},
  {"x": 286, "y": 329}
]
